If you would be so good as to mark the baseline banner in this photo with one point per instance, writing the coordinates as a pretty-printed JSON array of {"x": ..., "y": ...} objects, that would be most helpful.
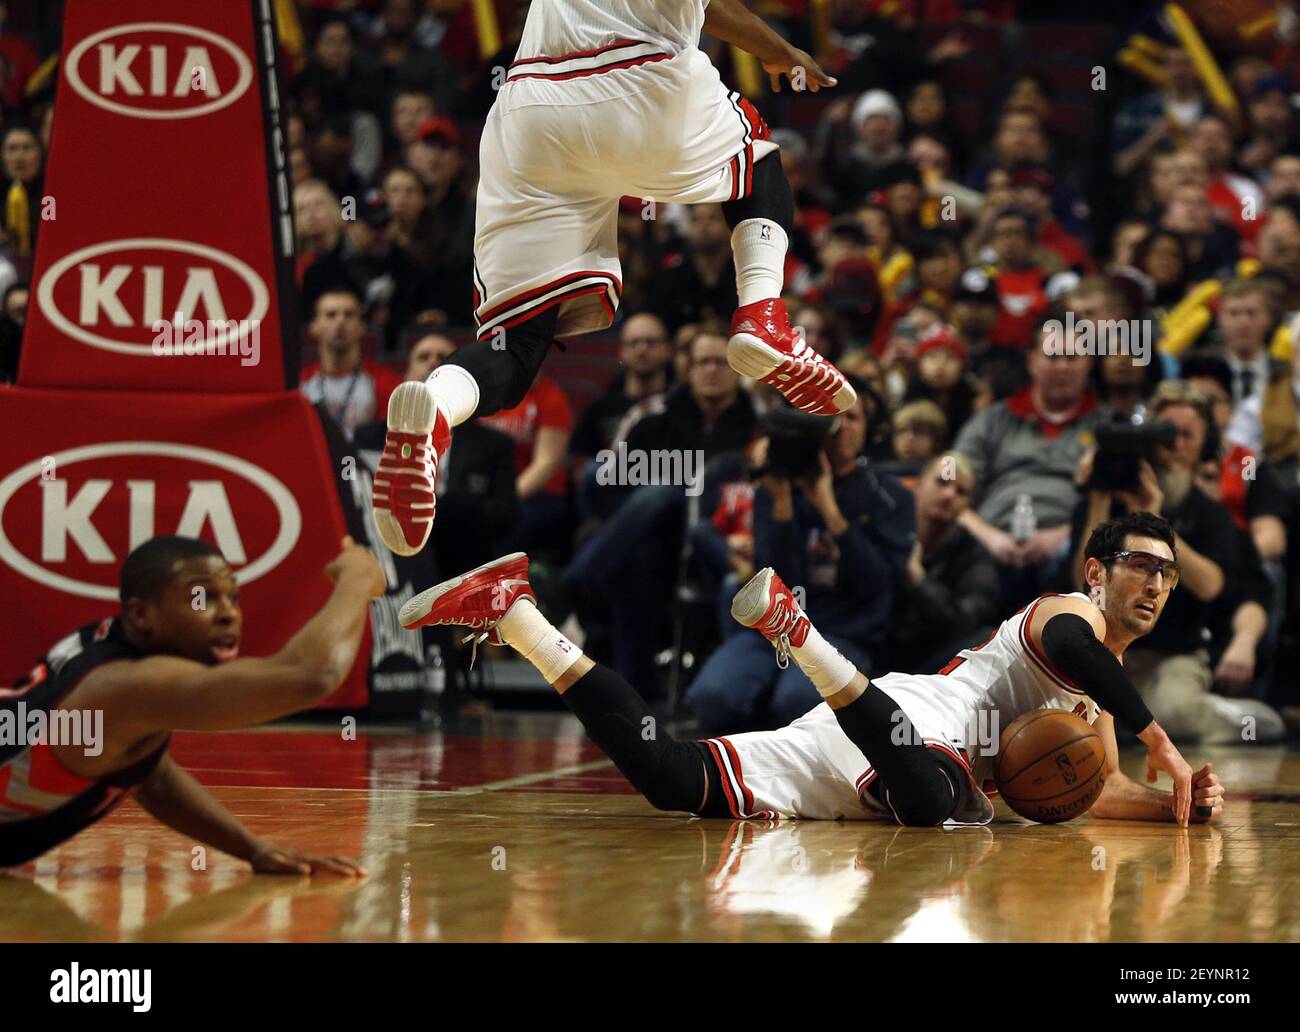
[
  {"x": 86, "y": 476},
  {"x": 165, "y": 254}
]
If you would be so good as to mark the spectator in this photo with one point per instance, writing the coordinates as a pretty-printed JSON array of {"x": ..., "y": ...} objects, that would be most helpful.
[
  {"x": 1171, "y": 665},
  {"x": 350, "y": 390},
  {"x": 974, "y": 312},
  {"x": 404, "y": 62},
  {"x": 948, "y": 597},
  {"x": 437, "y": 158},
  {"x": 1160, "y": 117},
  {"x": 1019, "y": 279},
  {"x": 1234, "y": 199},
  {"x": 842, "y": 540},
  {"x": 644, "y": 353},
  {"x": 21, "y": 190},
  {"x": 632, "y": 559},
  {"x": 13, "y": 316},
  {"x": 700, "y": 283},
  {"x": 540, "y": 425},
  {"x": 941, "y": 374},
  {"x": 919, "y": 433},
  {"x": 855, "y": 161},
  {"x": 1024, "y": 452}
]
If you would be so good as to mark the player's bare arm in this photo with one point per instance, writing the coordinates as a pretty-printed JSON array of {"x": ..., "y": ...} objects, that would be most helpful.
[
  {"x": 1076, "y": 636},
  {"x": 164, "y": 693},
  {"x": 1122, "y": 798},
  {"x": 173, "y": 797},
  {"x": 732, "y": 22}
]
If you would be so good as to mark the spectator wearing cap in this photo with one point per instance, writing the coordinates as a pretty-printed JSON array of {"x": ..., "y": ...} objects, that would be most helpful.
[
  {"x": 477, "y": 503},
  {"x": 700, "y": 283},
  {"x": 1272, "y": 125},
  {"x": 1028, "y": 448},
  {"x": 1234, "y": 199},
  {"x": 1158, "y": 118},
  {"x": 350, "y": 389},
  {"x": 942, "y": 374},
  {"x": 948, "y": 596},
  {"x": 853, "y": 163},
  {"x": 435, "y": 156},
  {"x": 974, "y": 312}
]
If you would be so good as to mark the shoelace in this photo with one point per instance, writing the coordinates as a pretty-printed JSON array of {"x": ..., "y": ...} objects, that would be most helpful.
[
  {"x": 782, "y": 622},
  {"x": 477, "y": 639}
]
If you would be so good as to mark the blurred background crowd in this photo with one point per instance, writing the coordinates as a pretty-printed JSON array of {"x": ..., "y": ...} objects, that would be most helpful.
[{"x": 982, "y": 175}]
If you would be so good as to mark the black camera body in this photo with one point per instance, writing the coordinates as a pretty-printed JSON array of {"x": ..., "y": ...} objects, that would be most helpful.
[
  {"x": 1121, "y": 447},
  {"x": 795, "y": 442}
]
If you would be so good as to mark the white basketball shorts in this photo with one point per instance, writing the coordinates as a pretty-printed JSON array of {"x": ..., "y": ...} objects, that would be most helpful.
[{"x": 567, "y": 137}]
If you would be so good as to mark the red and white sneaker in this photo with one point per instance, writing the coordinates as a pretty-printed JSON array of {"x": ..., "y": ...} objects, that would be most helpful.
[
  {"x": 403, "y": 500},
  {"x": 768, "y": 606},
  {"x": 477, "y": 599},
  {"x": 765, "y": 347}
]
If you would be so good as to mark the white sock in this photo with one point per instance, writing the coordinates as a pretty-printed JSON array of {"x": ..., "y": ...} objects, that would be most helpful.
[
  {"x": 530, "y": 634},
  {"x": 824, "y": 664},
  {"x": 455, "y": 389},
  {"x": 759, "y": 247}
]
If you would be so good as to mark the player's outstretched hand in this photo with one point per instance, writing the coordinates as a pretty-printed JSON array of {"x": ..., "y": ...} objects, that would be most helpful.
[
  {"x": 1207, "y": 795},
  {"x": 277, "y": 860},
  {"x": 1162, "y": 754},
  {"x": 798, "y": 66},
  {"x": 357, "y": 561}
]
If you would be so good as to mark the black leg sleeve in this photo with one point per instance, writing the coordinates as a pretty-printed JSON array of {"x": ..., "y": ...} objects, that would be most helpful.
[
  {"x": 506, "y": 364},
  {"x": 672, "y": 775},
  {"x": 769, "y": 196},
  {"x": 922, "y": 785}
]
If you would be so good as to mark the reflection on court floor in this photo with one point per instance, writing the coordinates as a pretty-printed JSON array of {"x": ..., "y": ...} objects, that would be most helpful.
[{"x": 520, "y": 830}]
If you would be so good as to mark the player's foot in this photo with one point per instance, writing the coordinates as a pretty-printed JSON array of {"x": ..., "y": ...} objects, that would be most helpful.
[
  {"x": 477, "y": 599},
  {"x": 769, "y": 607},
  {"x": 765, "y": 347},
  {"x": 403, "y": 499}
]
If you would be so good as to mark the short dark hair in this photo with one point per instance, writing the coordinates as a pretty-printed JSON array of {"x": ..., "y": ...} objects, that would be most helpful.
[
  {"x": 1108, "y": 538},
  {"x": 151, "y": 566},
  {"x": 339, "y": 287}
]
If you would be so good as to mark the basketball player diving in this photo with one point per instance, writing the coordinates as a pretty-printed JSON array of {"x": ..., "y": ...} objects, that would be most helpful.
[
  {"x": 902, "y": 747},
  {"x": 607, "y": 98},
  {"x": 170, "y": 661}
]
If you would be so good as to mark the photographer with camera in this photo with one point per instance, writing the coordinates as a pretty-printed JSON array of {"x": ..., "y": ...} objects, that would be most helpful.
[
  {"x": 839, "y": 535},
  {"x": 1152, "y": 467}
]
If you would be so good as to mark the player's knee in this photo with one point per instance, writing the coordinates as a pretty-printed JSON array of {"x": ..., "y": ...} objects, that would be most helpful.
[
  {"x": 926, "y": 799},
  {"x": 675, "y": 782}
]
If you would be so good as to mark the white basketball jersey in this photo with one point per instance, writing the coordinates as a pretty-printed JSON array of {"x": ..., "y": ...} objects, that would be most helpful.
[
  {"x": 558, "y": 27},
  {"x": 1008, "y": 675}
]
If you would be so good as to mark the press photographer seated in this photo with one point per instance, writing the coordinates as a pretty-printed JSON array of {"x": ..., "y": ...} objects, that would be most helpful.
[
  {"x": 1151, "y": 468},
  {"x": 836, "y": 532}
]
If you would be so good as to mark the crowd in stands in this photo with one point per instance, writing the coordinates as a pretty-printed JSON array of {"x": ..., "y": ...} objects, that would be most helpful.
[{"x": 1013, "y": 258}]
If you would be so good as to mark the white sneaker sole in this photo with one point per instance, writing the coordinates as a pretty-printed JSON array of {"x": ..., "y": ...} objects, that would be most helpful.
[
  {"x": 410, "y": 410},
  {"x": 419, "y": 606},
  {"x": 751, "y": 356},
  {"x": 751, "y": 601}
]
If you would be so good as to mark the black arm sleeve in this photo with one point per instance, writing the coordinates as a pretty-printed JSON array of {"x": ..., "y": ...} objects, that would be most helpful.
[{"x": 1070, "y": 644}]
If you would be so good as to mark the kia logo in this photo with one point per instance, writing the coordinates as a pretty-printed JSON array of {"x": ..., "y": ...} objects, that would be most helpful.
[
  {"x": 129, "y": 285},
  {"x": 168, "y": 70},
  {"x": 68, "y": 511}
]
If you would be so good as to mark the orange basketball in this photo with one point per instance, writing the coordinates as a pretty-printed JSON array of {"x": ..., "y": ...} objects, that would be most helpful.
[{"x": 1050, "y": 766}]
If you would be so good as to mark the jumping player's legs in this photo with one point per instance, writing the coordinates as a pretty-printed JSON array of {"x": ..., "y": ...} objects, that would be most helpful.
[
  {"x": 485, "y": 376},
  {"x": 760, "y": 224},
  {"x": 921, "y": 785}
]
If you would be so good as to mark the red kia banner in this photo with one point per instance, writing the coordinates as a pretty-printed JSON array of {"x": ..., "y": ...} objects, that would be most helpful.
[
  {"x": 87, "y": 476},
  {"x": 164, "y": 258}
]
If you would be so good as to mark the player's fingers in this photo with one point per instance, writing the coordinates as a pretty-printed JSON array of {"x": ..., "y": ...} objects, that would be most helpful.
[
  {"x": 775, "y": 79},
  {"x": 1151, "y": 773},
  {"x": 1182, "y": 797},
  {"x": 347, "y": 541}
]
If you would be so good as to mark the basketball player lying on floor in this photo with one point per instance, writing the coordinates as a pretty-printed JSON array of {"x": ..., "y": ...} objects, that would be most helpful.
[
  {"x": 166, "y": 664},
  {"x": 901, "y": 746}
]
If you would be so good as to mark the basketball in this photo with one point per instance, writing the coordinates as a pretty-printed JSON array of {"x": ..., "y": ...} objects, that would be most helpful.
[{"x": 1050, "y": 767}]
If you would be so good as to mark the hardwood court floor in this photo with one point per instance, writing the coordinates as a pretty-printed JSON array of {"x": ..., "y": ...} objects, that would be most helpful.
[{"x": 520, "y": 830}]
